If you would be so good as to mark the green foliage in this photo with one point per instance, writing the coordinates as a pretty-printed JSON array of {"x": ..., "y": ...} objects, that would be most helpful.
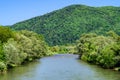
[
  {"x": 55, "y": 49},
  {"x": 33, "y": 44},
  {"x": 101, "y": 50},
  {"x": 59, "y": 49},
  {"x": 2, "y": 56},
  {"x": 2, "y": 67},
  {"x": 5, "y": 34},
  {"x": 106, "y": 58},
  {"x": 66, "y": 25},
  {"x": 26, "y": 47},
  {"x": 12, "y": 53},
  {"x": 19, "y": 47}
]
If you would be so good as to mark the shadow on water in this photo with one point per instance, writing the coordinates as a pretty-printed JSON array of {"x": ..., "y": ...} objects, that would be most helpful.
[
  {"x": 20, "y": 72},
  {"x": 60, "y": 67},
  {"x": 93, "y": 72}
]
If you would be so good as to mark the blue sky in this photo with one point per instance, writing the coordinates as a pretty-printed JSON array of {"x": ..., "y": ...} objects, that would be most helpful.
[{"x": 13, "y": 11}]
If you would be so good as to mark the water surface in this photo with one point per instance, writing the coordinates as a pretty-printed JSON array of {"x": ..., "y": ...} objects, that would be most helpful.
[{"x": 60, "y": 67}]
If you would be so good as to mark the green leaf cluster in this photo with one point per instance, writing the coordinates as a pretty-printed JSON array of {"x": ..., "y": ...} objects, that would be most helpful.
[
  {"x": 5, "y": 34},
  {"x": 101, "y": 50},
  {"x": 20, "y": 47}
]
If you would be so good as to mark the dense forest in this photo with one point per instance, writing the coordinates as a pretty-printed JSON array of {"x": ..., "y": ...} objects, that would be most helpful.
[
  {"x": 100, "y": 50},
  {"x": 67, "y": 24},
  {"x": 17, "y": 48}
]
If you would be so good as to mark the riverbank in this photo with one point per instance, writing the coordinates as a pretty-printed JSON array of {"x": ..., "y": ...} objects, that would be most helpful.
[
  {"x": 60, "y": 66},
  {"x": 18, "y": 47},
  {"x": 100, "y": 50}
]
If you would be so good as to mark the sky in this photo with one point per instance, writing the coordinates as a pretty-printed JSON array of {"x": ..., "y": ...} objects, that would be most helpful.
[{"x": 13, "y": 11}]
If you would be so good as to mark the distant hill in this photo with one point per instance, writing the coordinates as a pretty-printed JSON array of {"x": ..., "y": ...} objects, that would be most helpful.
[{"x": 66, "y": 25}]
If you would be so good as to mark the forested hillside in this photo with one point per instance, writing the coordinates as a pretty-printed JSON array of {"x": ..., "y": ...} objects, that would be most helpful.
[{"x": 66, "y": 25}]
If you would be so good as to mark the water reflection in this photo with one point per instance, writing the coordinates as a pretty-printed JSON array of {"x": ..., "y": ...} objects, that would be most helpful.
[
  {"x": 20, "y": 72},
  {"x": 93, "y": 72},
  {"x": 60, "y": 67}
]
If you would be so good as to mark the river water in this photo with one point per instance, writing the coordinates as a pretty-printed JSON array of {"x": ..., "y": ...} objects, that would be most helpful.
[{"x": 60, "y": 67}]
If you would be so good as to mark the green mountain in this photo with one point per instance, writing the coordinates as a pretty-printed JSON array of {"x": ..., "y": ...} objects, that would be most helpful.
[{"x": 67, "y": 24}]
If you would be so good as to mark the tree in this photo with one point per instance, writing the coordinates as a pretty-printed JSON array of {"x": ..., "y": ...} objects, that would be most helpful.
[{"x": 5, "y": 34}]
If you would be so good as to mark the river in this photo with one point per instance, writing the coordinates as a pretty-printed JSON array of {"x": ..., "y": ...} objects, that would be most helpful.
[{"x": 60, "y": 67}]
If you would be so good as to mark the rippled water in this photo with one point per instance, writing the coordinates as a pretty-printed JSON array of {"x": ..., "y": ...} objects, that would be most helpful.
[{"x": 60, "y": 67}]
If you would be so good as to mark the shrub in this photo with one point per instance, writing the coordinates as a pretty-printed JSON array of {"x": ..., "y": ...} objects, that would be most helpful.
[{"x": 2, "y": 67}]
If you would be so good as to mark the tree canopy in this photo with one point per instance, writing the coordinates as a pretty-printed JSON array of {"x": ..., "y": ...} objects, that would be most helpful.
[
  {"x": 66, "y": 25},
  {"x": 101, "y": 50},
  {"x": 20, "y": 47}
]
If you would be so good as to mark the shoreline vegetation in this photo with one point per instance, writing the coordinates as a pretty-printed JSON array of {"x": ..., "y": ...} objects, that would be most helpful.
[
  {"x": 100, "y": 50},
  {"x": 98, "y": 44},
  {"x": 19, "y": 47}
]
